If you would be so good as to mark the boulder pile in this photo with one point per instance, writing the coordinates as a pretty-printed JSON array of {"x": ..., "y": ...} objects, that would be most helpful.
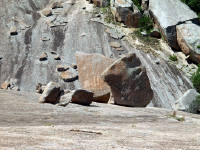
[{"x": 125, "y": 79}]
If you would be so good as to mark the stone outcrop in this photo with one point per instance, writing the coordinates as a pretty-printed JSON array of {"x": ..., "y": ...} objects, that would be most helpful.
[
  {"x": 13, "y": 31},
  {"x": 129, "y": 82},
  {"x": 90, "y": 67},
  {"x": 43, "y": 56},
  {"x": 188, "y": 37},
  {"x": 82, "y": 97},
  {"x": 125, "y": 11},
  {"x": 51, "y": 93},
  {"x": 185, "y": 102},
  {"x": 169, "y": 13}
]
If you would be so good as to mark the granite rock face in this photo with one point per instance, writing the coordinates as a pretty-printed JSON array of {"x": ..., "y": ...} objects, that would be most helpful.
[
  {"x": 129, "y": 82},
  {"x": 90, "y": 67}
]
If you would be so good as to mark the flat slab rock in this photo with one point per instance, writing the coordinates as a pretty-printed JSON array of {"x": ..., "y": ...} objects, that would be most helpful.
[
  {"x": 90, "y": 67},
  {"x": 28, "y": 125},
  {"x": 170, "y": 12}
]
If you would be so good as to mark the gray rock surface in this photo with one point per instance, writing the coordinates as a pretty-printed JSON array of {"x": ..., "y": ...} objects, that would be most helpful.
[
  {"x": 186, "y": 100},
  {"x": 30, "y": 126},
  {"x": 20, "y": 53}
]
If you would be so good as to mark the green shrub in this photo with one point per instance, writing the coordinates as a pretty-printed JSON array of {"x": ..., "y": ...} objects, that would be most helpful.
[
  {"x": 137, "y": 3},
  {"x": 195, "y": 106},
  {"x": 196, "y": 79},
  {"x": 198, "y": 46},
  {"x": 146, "y": 24},
  {"x": 173, "y": 58},
  {"x": 193, "y": 4}
]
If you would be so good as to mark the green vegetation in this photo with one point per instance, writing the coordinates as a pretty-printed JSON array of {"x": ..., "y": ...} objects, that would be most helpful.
[
  {"x": 146, "y": 24},
  {"x": 196, "y": 79},
  {"x": 178, "y": 118},
  {"x": 198, "y": 46},
  {"x": 138, "y": 4},
  {"x": 173, "y": 58},
  {"x": 195, "y": 106},
  {"x": 194, "y": 5},
  {"x": 109, "y": 18}
]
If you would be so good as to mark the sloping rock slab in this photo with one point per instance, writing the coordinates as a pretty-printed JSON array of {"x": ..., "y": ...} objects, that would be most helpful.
[
  {"x": 90, "y": 67},
  {"x": 167, "y": 14},
  {"x": 188, "y": 36},
  {"x": 129, "y": 82}
]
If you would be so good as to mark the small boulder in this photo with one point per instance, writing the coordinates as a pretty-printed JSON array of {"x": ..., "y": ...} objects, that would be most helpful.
[
  {"x": 57, "y": 57},
  {"x": 115, "y": 44},
  {"x": 69, "y": 76},
  {"x": 5, "y": 85},
  {"x": 82, "y": 97},
  {"x": 47, "y": 12},
  {"x": 62, "y": 68},
  {"x": 43, "y": 56},
  {"x": 65, "y": 99},
  {"x": 51, "y": 93},
  {"x": 74, "y": 66},
  {"x": 184, "y": 103},
  {"x": 155, "y": 33},
  {"x": 188, "y": 37},
  {"x": 129, "y": 82},
  {"x": 13, "y": 31},
  {"x": 56, "y": 5},
  {"x": 40, "y": 88}
]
